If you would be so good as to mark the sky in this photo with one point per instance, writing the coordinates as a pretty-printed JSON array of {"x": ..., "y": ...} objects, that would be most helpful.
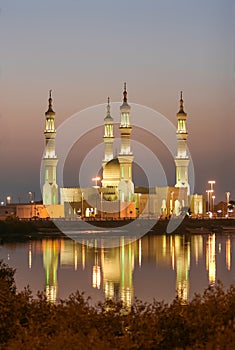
[{"x": 85, "y": 50}]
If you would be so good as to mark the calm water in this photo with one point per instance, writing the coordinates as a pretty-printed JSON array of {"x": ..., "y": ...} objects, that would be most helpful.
[{"x": 153, "y": 267}]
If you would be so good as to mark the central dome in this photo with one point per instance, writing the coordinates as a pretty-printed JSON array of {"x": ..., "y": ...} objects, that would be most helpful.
[{"x": 112, "y": 170}]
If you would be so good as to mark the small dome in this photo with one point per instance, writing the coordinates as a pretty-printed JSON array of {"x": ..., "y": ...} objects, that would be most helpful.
[
  {"x": 108, "y": 119},
  {"x": 112, "y": 170},
  {"x": 50, "y": 109},
  {"x": 125, "y": 106},
  {"x": 50, "y": 112}
]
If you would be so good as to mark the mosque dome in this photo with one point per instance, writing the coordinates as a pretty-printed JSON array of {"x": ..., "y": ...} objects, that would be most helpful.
[{"x": 112, "y": 170}]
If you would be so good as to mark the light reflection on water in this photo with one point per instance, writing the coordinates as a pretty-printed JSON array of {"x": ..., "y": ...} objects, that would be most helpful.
[{"x": 157, "y": 267}]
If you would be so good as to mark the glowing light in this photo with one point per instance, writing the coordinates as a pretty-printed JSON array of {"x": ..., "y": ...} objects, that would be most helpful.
[
  {"x": 96, "y": 179},
  {"x": 211, "y": 262},
  {"x": 140, "y": 253},
  {"x": 96, "y": 277},
  {"x": 228, "y": 253}
]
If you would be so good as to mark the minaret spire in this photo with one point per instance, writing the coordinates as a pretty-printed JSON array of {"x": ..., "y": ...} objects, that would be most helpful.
[
  {"x": 125, "y": 94},
  {"x": 108, "y": 107},
  {"x": 50, "y": 109},
  {"x": 181, "y": 103}
]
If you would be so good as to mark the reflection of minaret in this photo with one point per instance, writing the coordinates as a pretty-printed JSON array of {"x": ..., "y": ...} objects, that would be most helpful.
[
  {"x": 210, "y": 259},
  {"x": 96, "y": 273},
  {"x": 182, "y": 263},
  {"x": 126, "y": 186},
  {"x": 228, "y": 253},
  {"x": 50, "y": 187},
  {"x": 30, "y": 255},
  {"x": 50, "y": 262},
  {"x": 117, "y": 266},
  {"x": 182, "y": 160},
  {"x": 197, "y": 247}
]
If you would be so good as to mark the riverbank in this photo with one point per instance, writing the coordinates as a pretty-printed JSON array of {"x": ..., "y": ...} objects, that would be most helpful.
[
  {"x": 24, "y": 230},
  {"x": 20, "y": 230}
]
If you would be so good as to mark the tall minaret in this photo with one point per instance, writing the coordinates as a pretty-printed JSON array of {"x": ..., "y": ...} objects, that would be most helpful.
[
  {"x": 126, "y": 186},
  {"x": 108, "y": 136},
  {"x": 50, "y": 187},
  {"x": 182, "y": 159}
]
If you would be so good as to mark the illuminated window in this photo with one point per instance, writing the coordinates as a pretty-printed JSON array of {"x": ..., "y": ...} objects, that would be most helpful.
[
  {"x": 178, "y": 174},
  {"x": 129, "y": 172},
  {"x": 47, "y": 175},
  {"x": 122, "y": 172},
  {"x": 125, "y": 119},
  {"x": 182, "y": 125},
  {"x": 54, "y": 174}
]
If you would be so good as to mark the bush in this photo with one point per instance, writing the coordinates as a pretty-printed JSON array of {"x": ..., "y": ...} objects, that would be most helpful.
[{"x": 206, "y": 322}]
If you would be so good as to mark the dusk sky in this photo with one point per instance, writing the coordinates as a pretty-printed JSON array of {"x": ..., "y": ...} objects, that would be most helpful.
[{"x": 85, "y": 50}]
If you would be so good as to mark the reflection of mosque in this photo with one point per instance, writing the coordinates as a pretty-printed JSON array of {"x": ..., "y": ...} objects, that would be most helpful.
[
  {"x": 50, "y": 262},
  {"x": 210, "y": 258},
  {"x": 118, "y": 266},
  {"x": 172, "y": 251},
  {"x": 112, "y": 269},
  {"x": 182, "y": 263}
]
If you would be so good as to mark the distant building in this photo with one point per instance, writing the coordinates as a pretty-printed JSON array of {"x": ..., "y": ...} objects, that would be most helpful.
[{"x": 197, "y": 204}]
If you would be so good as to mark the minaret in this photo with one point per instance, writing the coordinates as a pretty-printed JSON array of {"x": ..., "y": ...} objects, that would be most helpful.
[
  {"x": 126, "y": 186},
  {"x": 182, "y": 159},
  {"x": 108, "y": 136},
  {"x": 50, "y": 187}
]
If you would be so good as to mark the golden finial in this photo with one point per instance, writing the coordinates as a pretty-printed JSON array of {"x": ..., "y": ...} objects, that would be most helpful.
[
  {"x": 108, "y": 107},
  {"x": 50, "y": 109},
  {"x": 125, "y": 93},
  {"x": 181, "y": 103}
]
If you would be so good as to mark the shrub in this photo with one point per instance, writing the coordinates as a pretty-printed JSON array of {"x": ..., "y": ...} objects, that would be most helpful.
[{"x": 206, "y": 322}]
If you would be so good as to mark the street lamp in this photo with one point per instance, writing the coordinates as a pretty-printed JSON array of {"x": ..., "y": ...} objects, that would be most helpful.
[
  {"x": 227, "y": 200},
  {"x": 208, "y": 199},
  {"x": 139, "y": 195},
  {"x": 172, "y": 201},
  {"x": 213, "y": 203},
  {"x": 82, "y": 214},
  {"x": 211, "y": 183},
  {"x": 8, "y": 200},
  {"x": 96, "y": 179},
  {"x": 30, "y": 197},
  {"x": 101, "y": 205}
]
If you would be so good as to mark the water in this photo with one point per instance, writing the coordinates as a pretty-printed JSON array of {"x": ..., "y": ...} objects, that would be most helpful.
[{"x": 153, "y": 267}]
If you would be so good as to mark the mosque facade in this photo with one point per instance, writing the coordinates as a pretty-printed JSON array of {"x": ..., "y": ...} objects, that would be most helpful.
[{"x": 117, "y": 196}]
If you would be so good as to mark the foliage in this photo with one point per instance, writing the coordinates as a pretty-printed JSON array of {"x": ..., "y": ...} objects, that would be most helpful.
[{"x": 206, "y": 322}]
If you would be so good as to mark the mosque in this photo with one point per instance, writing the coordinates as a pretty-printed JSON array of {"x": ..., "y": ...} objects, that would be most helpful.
[{"x": 117, "y": 197}]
